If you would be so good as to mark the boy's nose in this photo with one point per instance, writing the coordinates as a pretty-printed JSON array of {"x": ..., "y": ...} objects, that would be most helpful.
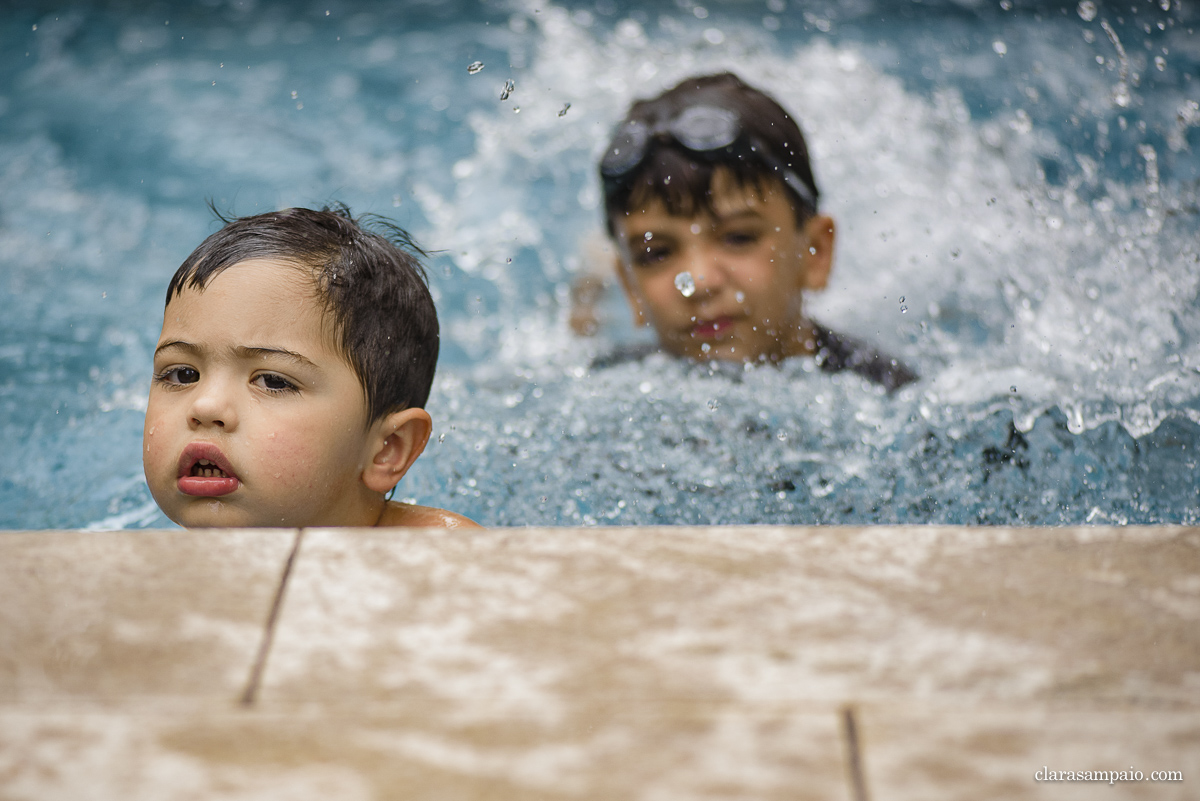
[
  {"x": 212, "y": 406},
  {"x": 707, "y": 272}
]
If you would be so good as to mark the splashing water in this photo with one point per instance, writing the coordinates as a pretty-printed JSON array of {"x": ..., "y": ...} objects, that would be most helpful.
[
  {"x": 1039, "y": 222},
  {"x": 685, "y": 284}
]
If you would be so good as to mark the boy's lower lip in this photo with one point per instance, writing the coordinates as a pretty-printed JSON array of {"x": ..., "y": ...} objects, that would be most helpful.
[
  {"x": 203, "y": 487},
  {"x": 711, "y": 329}
]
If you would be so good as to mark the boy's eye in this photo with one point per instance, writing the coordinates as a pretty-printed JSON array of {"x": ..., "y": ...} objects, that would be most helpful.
[
  {"x": 740, "y": 238},
  {"x": 274, "y": 383},
  {"x": 650, "y": 254},
  {"x": 179, "y": 375}
]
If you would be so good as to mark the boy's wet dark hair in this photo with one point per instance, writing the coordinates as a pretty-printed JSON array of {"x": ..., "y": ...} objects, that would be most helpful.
[
  {"x": 768, "y": 144},
  {"x": 367, "y": 273}
]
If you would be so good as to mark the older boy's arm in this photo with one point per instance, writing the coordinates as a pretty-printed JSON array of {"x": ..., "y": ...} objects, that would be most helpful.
[{"x": 590, "y": 284}]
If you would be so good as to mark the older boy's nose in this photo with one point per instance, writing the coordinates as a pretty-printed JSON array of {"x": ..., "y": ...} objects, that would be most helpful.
[{"x": 707, "y": 272}]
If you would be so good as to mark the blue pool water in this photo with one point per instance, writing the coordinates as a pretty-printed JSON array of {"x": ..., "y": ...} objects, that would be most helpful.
[{"x": 1015, "y": 184}]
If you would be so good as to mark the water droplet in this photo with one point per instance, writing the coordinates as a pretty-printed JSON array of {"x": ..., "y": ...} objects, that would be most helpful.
[
  {"x": 740, "y": 297},
  {"x": 1160, "y": 62},
  {"x": 904, "y": 310},
  {"x": 103, "y": 295},
  {"x": 1000, "y": 47},
  {"x": 442, "y": 437},
  {"x": 713, "y": 405},
  {"x": 516, "y": 109},
  {"x": 781, "y": 436},
  {"x": 563, "y": 111},
  {"x": 1013, "y": 388},
  {"x": 396, "y": 200},
  {"x": 1087, "y": 10},
  {"x": 685, "y": 284},
  {"x": 474, "y": 67},
  {"x": 647, "y": 236},
  {"x": 509, "y": 87},
  {"x": 901, "y": 298},
  {"x": 295, "y": 94},
  {"x": 705, "y": 347},
  {"x": 508, "y": 260},
  {"x": 645, "y": 387}
]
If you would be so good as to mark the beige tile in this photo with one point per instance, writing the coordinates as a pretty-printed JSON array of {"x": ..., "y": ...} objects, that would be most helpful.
[
  {"x": 536, "y": 619},
  {"x": 103, "y": 754},
  {"x": 120, "y": 615},
  {"x": 935, "y": 751}
]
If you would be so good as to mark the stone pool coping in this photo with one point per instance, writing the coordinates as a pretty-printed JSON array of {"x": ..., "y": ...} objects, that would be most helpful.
[{"x": 666, "y": 662}]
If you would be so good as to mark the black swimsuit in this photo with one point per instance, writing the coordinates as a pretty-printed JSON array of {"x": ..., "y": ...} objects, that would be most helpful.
[{"x": 834, "y": 353}]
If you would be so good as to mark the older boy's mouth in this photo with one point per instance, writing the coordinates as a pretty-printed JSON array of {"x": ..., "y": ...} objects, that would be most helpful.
[
  {"x": 712, "y": 329},
  {"x": 205, "y": 472}
]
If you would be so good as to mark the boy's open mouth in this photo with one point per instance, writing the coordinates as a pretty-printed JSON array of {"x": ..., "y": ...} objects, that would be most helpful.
[{"x": 205, "y": 472}]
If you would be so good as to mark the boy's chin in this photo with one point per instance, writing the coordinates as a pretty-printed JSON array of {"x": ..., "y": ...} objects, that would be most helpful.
[{"x": 218, "y": 513}]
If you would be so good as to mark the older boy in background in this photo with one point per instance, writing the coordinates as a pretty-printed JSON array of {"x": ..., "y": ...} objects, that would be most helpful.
[{"x": 712, "y": 208}]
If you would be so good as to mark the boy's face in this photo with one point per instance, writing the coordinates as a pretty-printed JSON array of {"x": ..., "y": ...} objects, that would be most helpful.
[
  {"x": 748, "y": 266},
  {"x": 255, "y": 418}
]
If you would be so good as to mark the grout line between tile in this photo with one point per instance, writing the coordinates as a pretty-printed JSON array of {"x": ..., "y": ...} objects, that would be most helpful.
[
  {"x": 854, "y": 762},
  {"x": 250, "y": 694}
]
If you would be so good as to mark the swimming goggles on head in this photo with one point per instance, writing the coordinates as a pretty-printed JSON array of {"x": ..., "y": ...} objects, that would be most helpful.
[{"x": 701, "y": 129}]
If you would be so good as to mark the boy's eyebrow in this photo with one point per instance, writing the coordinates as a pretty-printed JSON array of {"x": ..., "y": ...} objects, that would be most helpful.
[
  {"x": 292, "y": 356},
  {"x": 242, "y": 352},
  {"x": 177, "y": 343}
]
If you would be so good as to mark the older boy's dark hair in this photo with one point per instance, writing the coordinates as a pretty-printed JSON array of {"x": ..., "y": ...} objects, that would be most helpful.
[
  {"x": 367, "y": 273},
  {"x": 682, "y": 179}
]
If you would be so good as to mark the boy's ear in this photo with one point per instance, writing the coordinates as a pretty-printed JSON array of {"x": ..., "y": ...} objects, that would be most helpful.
[
  {"x": 396, "y": 441},
  {"x": 817, "y": 257},
  {"x": 631, "y": 294}
]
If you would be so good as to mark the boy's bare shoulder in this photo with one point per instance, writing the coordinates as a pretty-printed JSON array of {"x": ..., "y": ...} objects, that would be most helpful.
[{"x": 412, "y": 516}]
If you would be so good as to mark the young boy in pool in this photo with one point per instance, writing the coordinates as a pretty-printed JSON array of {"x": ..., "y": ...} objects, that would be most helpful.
[
  {"x": 711, "y": 204},
  {"x": 297, "y": 353}
]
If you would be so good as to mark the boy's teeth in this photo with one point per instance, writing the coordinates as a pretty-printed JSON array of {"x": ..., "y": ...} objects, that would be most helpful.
[{"x": 206, "y": 469}]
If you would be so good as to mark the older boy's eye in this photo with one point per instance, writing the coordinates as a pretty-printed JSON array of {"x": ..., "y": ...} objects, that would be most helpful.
[
  {"x": 741, "y": 238},
  {"x": 179, "y": 375},
  {"x": 650, "y": 255},
  {"x": 274, "y": 383}
]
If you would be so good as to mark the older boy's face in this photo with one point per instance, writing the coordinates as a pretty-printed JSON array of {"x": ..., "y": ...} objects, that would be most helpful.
[
  {"x": 254, "y": 417},
  {"x": 745, "y": 270}
]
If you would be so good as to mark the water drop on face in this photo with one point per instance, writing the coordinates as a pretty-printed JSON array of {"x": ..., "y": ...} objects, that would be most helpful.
[
  {"x": 740, "y": 297},
  {"x": 685, "y": 284},
  {"x": 474, "y": 67},
  {"x": 647, "y": 236},
  {"x": 509, "y": 86}
]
